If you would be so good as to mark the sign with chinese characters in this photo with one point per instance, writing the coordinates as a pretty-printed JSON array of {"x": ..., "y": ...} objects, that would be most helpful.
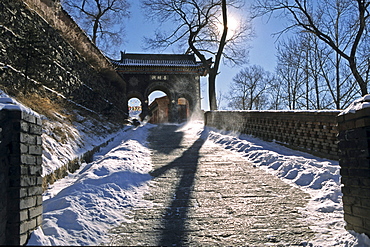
[{"x": 159, "y": 77}]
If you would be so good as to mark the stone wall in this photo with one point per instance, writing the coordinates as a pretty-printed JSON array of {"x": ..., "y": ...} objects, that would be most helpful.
[
  {"x": 35, "y": 56},
  {"x": 20, "y": 176},
  {"x": 354, "y": 145},
  {"x": 313, "y": 132}
]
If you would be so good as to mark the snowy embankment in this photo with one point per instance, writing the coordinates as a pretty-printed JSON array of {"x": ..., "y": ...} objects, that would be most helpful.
[
  {"x": 318, "y": 177},
  {"x": 80, "y": 208},
  {"x": 64, "y": 142}
]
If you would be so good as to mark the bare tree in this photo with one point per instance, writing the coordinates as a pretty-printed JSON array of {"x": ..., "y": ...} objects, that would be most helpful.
[
  {"x": 249, "y": 87},
  {"x": 201, "y": 27},
  {"x": 101, "y": 19},
  {"x": 291, "y": 57},
  {"x": 313, "y": 18}
]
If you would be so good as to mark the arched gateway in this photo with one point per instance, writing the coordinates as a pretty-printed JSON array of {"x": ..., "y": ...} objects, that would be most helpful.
[{"x": 178, "y": 76}]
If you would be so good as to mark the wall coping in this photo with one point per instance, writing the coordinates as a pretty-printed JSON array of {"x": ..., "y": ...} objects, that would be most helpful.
[{"x": 282, "y": 111}]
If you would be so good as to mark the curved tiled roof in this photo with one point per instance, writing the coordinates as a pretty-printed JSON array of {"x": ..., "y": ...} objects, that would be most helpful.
[
  {"x": 158, "y": 63},
  {"x": 146, "y": 62}
]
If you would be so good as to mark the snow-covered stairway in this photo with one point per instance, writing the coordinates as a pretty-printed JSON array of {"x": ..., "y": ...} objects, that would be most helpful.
[{"x": 202, "y": 194}]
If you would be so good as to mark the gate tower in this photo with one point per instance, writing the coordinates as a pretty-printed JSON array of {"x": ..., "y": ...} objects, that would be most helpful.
[{"x": 177, "y": 75}]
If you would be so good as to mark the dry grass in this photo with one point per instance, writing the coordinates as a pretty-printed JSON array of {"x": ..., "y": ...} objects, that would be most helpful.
[{"x": 44, "y": 106}]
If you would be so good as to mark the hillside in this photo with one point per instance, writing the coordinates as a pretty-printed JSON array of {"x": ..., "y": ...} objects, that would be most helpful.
[{"x": 71, "y": 133}]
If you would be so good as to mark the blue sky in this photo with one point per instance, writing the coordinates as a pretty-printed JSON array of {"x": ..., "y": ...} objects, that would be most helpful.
[{"x": 262, "y": 52}]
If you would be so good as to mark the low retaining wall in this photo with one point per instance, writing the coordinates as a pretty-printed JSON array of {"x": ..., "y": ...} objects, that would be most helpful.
[
  {"x": 313, "y": 132},
  {"x": 20, "y": 175},
  {"x": 72, "y": 165}
]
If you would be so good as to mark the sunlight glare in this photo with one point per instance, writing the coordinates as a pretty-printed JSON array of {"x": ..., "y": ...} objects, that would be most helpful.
[{"x": 232, "y": 23}]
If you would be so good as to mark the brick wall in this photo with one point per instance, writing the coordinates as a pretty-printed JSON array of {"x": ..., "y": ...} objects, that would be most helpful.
[
  {"x": 354, "y": 145},
  {"x": 56, "y": 65},
  {"x": 313, "y": 132},
  {"x": 20, "y": 176}
]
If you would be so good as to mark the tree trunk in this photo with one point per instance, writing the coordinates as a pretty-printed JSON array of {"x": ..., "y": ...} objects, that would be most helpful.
[
  {"x": 358, "y": 77},
  {"x": 337, "y": 80},
  {"x": 95, "y": 31},
  {"x": 212, "y": 90}
]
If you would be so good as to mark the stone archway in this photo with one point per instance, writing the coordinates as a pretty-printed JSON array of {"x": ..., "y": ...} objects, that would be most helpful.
[{"x": 177, "y": 75}]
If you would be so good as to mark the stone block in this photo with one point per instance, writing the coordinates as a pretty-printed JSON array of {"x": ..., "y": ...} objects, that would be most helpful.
[
  {"x": 39, "y": 181},
  {"x": 25, "y": 138},
  {"x": 33, "y": 191},
  {"x": 38, "y": 121},
  {"x": 23, "y": 215},
  {"x": 353, "y": 220},
  {"x": 38, "y": 200},
  {"x": 365, "y": 182},
  {"x": 344, "y": 172},
  {"x": 35, "y": 129},
  {"x": 38, "y": 140},
  {"x": 350, "y": 200},
  {"x": 39, "y": 161},
  {"x": 35, "y": 150},
  {"x": 23, "y": 238},
  {"x": 24, "y": 171},
  {"x": 39, "y": 220},
  {"x": 23, "y": 148},
  {"x": 346, "y": 125},
  {"x": 359, "y": 173},
  {"x": 23, "y": 192},
  {"x": 363, "y": 122},
  {"x": 364, "y": 213},
  {"x": 35, "y": 212},
  {"x": 350, "y": 181},
  {"x": 359, "y": 192},
  {"x": 27, "y": 202},
  {"x": 28, "y": 159},
  {"x": 367, "y": 226},
  {"x": 35, "y": 170},
  {"x": 348, "y": 209},
  {"x": 27, "y": 181},
  {"x": 28, "y": 117},
  {"x": 24, "y": 127}
]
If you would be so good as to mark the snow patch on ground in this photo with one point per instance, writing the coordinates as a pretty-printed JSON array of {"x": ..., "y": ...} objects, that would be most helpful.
[
  {"x": 64, "y": 142},
  {"x": 80, "y": 208}
]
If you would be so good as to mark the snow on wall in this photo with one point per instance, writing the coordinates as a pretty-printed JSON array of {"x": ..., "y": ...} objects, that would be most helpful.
[{"x": 310, "y": 131}]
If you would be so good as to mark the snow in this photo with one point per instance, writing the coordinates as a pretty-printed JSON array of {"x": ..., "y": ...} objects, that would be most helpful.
[
  {"x": 358, "y": 104},
  {"x": 78, "y": 138},
  {"x": 81, "y": 208},
  {"x": 8, "y": 103}
]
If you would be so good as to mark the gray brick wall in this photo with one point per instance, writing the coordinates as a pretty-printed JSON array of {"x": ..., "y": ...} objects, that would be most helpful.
[
  {"x": 56, "y": 69},
  {"x": 313, "y": 132},
  {"x": 354, "y": 145},
  {"x": 20, "y": 176}
]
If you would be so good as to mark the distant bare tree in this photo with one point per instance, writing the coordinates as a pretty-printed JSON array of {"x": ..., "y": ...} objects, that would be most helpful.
[
  {"x": 291, "y": 75},
  {"x": 275, "y": 94},
  {"x": 315, "y": 17},
  {"x": 101, "y": 19},
  {"x": 314, "y": 77},
  {"x": 201, "y": 27},
  {"x": 249, "y": 89}
]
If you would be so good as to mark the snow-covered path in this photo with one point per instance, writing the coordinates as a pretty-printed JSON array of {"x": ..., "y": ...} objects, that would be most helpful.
[{"x": 81, "y": 208}]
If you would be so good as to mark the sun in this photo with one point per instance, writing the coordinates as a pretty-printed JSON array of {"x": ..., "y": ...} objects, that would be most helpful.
[{"x": 232, "y": 23}]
